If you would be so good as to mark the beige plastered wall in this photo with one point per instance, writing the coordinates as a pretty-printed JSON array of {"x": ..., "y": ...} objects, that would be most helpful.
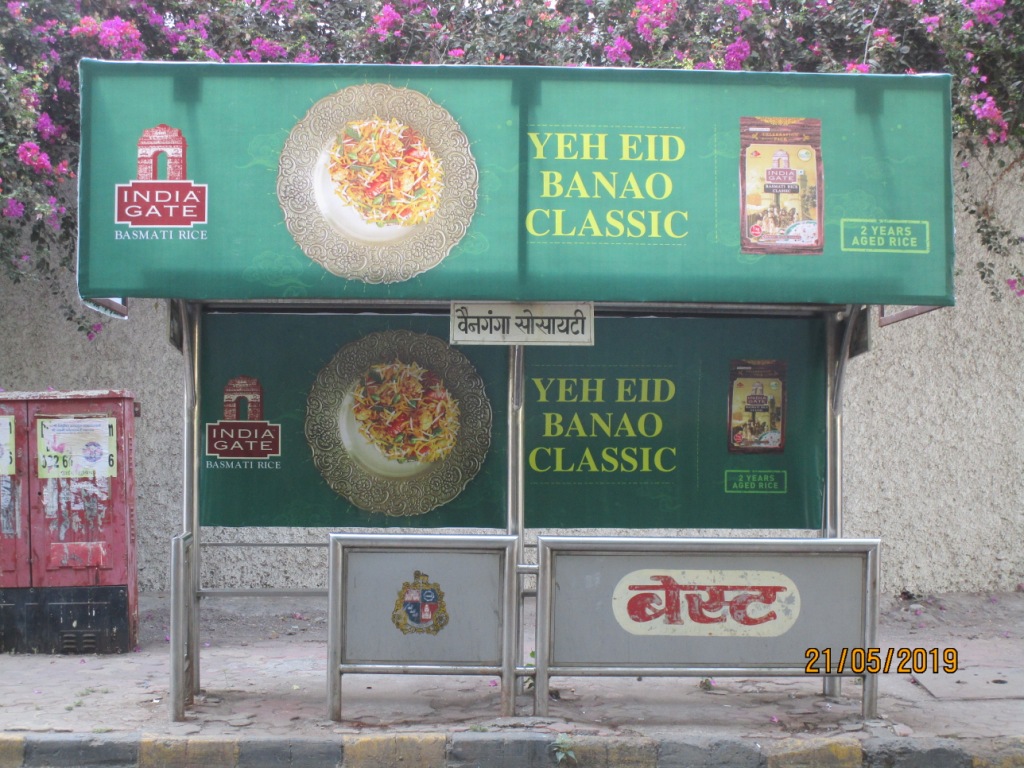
[{"x": 933, "y": 428}]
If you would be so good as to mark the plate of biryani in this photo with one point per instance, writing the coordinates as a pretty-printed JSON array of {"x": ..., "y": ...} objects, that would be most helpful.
[
  {"x": 377, "y": 183},
  {"x": 398, "y": 422}
]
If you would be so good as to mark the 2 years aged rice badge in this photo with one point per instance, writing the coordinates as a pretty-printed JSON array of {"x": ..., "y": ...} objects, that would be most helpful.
[{"x": 420, "y": 606}]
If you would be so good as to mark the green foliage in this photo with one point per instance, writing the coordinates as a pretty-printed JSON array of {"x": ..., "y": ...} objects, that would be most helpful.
[
  {"x": 563, "y": 751},
  {"x": 979, "y": 42}
]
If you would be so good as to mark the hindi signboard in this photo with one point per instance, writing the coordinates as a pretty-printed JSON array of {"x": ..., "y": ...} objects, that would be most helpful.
[
  {"x": 690, "y": 606},
  {"x": 553, "y": 323},
  {"x": 522, "y": 184}
]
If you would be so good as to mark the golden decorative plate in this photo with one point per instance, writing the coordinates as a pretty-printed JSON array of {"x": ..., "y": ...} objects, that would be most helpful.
[
  {"x": 332, "y": 233},
  {"x": 354, "y": 467}
]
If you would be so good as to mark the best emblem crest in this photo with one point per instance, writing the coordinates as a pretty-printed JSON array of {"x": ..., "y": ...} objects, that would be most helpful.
[{"x": 420, "y": 607}]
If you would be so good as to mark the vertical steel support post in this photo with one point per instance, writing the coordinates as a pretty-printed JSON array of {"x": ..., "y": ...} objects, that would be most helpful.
[
  {"x": 335, "y": 630},
  {"x": 512, "y": 623},
  {"x": 540, "y": 680},
  {"x": 182, "y": 652},
  {"x": 838, "y": 354},
  {"x": 869, "y": 702},
  {"x": 184, "y": 667},
  {"x": 192, "y": 332},
  {"x": 830, "y": 522}
]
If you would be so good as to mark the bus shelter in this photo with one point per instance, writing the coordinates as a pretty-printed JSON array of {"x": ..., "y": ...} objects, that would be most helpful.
[{"x": 458, "y": 306}]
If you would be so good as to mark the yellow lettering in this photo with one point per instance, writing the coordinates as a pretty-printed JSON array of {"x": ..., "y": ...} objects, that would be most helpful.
[
  {"x": 630, "y": 141},
  {"x": 542, "y": 389},
  {"x": 538, "y": 145},
  {"x": 587, "y": 461},
  {"x": 625, "y": 427},
  {"x": 551, "y": 184},
  {"x": 631, "y": 188},
  {"x": 567, "y": 390},
  {"x": 559, "y": 228},
  {"x": 615, "y": 226},
  {"x": 638, "y": 228},
  {"x": 670, "y": 230},
  {"x": 531, "y": 227},
  {"x": 534, "y": 459},
  {"x": 666, "y": 186},
  {"x": 593, "y": 390},
  {"x": 597, "y": 422},
  {"x": 575, "y": 428},
  {"x": 649, "y": 424},
  {"x": 553, "y": 425},
  {"x": 577, "y": 186},
  {"x": 609, "y": 185},
  {"x": 594, "y": 146},
  {"x": 628, "y": 459},
  {"x": 590, "y": 226},
  {"x": 658, "y": 462},
  {"x": 566, "y": 146},
  {"x": 625, "y": 392},
  {"x": 610, "y": 462}
]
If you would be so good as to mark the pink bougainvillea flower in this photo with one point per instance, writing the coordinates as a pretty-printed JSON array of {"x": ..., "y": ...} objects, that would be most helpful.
[
  {"x": 736, "y": 53},
  {"x": 387, "y": 23},
  {"x": 48, "y": 130},
  {"x": 30, "y": 154},
  {"x": 280, "y": 7},
  {"x": 267, "y": 50},
  {"x": 986, "y": 11},
  {"x": 652, "y": 16},
  {"x": 14, "y": 209},
  {"x": 618, "y": 50}
]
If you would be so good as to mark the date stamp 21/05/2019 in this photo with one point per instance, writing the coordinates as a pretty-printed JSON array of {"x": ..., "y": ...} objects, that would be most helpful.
[{"x": 870, "y": 661}]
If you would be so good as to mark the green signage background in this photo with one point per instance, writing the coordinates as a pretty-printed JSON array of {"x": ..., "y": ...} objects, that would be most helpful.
[
  {"x": 631, "y": 433},
  {"x": 634, "y": 432},
  {"x": 285, "y": 352},
  {"x": 582, "y": 184}
]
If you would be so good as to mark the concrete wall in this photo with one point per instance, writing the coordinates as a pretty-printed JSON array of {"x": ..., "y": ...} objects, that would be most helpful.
[
  {"x": 40, "y": 350},
  {"x": 932, "y": 427},
  {"x": 933, "y": 439}
]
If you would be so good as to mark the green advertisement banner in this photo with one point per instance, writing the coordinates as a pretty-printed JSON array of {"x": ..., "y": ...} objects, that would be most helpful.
[
  {"x": 276, "y": 449},
  {"x": 373, "y": 183},
  {"x": 679, "y": 423},
  {"x": 372, "y": 420}
]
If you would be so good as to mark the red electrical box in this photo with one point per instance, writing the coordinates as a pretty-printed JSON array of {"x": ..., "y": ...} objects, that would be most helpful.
[{"x": 68, "y": 576}]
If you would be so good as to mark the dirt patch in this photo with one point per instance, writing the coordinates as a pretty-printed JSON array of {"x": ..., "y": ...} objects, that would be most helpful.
[
  {"x": 239, "y": 621},
  {"x": 966, "y": 615}
]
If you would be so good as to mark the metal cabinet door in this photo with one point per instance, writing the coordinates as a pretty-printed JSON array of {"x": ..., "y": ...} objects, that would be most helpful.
[
  {"x": 14, "y": 528},
  {"x": 80, "y": 517}
]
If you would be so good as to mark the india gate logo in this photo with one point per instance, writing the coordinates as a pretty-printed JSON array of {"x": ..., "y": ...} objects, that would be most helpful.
[
  {"x": 242, "y": 433},
  {"x": 150, "y": 201}
]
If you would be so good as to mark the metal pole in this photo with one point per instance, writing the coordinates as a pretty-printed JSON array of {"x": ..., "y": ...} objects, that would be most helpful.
[
  {"x": 832, "y": 525},
  {"x": 831, "y": 686},
  {"x": 540, "y": 680},
  {"x": 192, "y": 333},
  {"x": 512, "y": 645},
  {"x": 869, "y": 701},
  {"x": 335, "y": 631},
  {"x": 182, "y": 692}
]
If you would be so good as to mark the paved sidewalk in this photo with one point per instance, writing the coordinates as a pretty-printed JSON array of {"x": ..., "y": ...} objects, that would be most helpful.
[{"x": 264, "y": 704}]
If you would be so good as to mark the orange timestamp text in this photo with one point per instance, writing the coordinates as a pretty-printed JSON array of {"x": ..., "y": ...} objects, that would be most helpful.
[{"x": 870, "y": 661}]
